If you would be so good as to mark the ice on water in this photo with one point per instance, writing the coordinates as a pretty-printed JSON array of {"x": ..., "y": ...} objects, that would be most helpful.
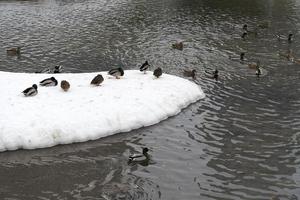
[{"x": 86, "y": 112}]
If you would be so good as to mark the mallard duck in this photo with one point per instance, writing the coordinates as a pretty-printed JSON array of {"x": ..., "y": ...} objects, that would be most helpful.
[
  {"x": 48, "y": 82},
  {"x": 288, "y": 55},
  {"x": 189, "y": 73},
  {"x": 284, "y": 38},
  {"x": 144, "y": 67},
  {"x": 57, "y": 69},
  {"x": 157, "y": 72},
  {"x": 65, "y": 85},
  {"x": 14, "y": 51},
  {"x": 254, "y": 65},
  {"x": 97, "y": 80},
  {"x": 248, "y": 31},
  {"x": 241, "y": 58},
  {"x": 44, "y": 71},
  {"x": 140, "y": 157},
  {"x": 244, "y": 35},
  {"x": 212, "y": 75},
  {"x": 117, "y": 72},
  {"x": 178, "y": 46},
  {"x": 31, "y": 91}
]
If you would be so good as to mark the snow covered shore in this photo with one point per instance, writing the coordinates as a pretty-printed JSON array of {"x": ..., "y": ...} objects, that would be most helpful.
[{"x": 86, "y": 112}]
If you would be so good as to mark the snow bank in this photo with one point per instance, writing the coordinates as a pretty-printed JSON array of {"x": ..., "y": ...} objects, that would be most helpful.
[{"x": 86, "y": 112}]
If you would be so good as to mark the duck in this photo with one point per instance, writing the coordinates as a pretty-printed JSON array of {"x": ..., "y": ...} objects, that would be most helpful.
[
  {"x": 189, "y": 73},
  {"x": 140, "y": 157},
  {"x": 57, "y": 69},
  {"x": 288, "y": 55},
  {"x": 65, "y": 85},
  {"x": 144, "y": 67},
  {"x": 178, "y": 46},
  {"x": 241, "y": 58},
  {"x": 48, "y": 82},
  {"x": 44, "y": 71},
  {"x": 97, "y": 80},
  {"x": 253, "y": 32},
  {"x": 244, "y": 35},
  {"x": 282, "y": 37},
  {"x": 157, "y": 72},
  {"x": 254, "y": 65},
  {"x": 213, "y": 75},
  {"x": 31, "y": 91},
  {"x": 116, "y": 72},
  {"x": 14, "y": 51}
]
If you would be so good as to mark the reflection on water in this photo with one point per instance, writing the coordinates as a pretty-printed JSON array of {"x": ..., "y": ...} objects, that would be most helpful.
[{"x": 240, "y": 142}]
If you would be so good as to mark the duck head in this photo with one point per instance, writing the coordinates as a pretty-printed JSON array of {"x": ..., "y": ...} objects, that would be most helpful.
[
  {"x": 244, "y": 35},
  {"x": 245, "y": 27},
  {"x": 145, "y": 151},
  {"x": 290, "y": 37},
  {"x": 121, "y": 71},
  {"x": 34, "y": 86}
]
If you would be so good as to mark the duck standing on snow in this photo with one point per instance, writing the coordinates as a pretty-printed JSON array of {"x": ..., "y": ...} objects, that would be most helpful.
[
  {"x": 65, "y": 85},
  {"x": 140, "y": 157},
  {"x": 13, "y": 51},
  {"x": 144, "y": 67},
  {"x": 57, "y": 69},
  {"x": 157, "y": 72},
  {"x": 117, "y": 72},
  {"x": 189, "y": 73},
  {"x": 97, "y": 80},
  {"x": 48, "y": 82},
  {"x": 31, "y": 91}
]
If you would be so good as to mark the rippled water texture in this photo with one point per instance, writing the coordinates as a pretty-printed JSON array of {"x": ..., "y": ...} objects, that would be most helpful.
[{"x": 241, "y": 142}]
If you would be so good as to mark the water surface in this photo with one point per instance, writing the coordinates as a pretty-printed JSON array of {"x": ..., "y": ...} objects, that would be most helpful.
[{"x": 241, "y": 142}]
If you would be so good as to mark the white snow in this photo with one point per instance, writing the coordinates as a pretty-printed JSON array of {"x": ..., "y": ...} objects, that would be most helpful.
[{"x": 86, "y": 112}]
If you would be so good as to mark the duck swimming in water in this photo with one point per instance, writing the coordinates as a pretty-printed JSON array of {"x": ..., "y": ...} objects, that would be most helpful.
[
  {"x": 241, "y": 58},
  {"x": 243, "y": 36},
  {"x": 248, "y": 31},
  {"x": 254, "y": 65},
  {"x": 65, "y": 85},
  {"x": 284, "y": 38},
  {"x": 288, "y": 55},
  {"x": 144, "y": 67},
  {"x": 117, "y": 72},
  {"x": 213, "y": 75},
  {"x": 48, "y": 82},
  {"x": 157, "y": 72},
  {"x": 189, "y": 73},
  {"x": 13, "y": 51},
  {"x": 178, "y": 46},
  {"x": 140, "y": 157},
  {"x": 57, "y": 69},
  {"x": 31, "y": 91},
  {"x": 97, "y": 80}
]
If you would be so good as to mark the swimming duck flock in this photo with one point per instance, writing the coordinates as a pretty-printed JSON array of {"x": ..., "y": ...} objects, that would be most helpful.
[{"x": 64, "y": 108}]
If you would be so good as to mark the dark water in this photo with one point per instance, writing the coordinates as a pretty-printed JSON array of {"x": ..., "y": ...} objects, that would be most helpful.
[{"x": 241, "y": 142}]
